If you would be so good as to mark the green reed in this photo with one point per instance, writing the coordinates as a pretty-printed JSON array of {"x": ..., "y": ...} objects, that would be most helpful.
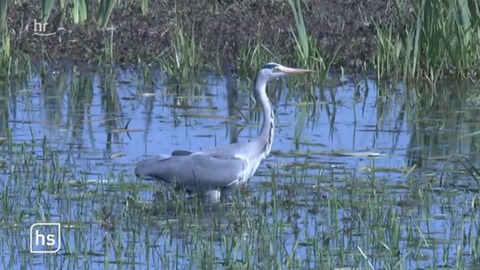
[
  {"x": 254, "y": 56},
  {"x": 303, "y": 41},
  {"x": 6, "y": 60},
  {"x": 62, "y": 11},
  {"x": 307, "y": 49},
  {"x": 3, "y": 17},
  {"x": 104, "y": 11},
  {"x": 4, "y": 36},
  {"x": 109, "y": 46},
  {"x": 387, "y": 58},
  {"x": 182, "y": 60},
  {"x": 80, "y": 11},
  {"x": 47, "y": 6},
  {"x": 144, "y": 6}
]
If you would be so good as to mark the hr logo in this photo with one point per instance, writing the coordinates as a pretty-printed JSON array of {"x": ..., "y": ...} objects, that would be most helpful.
[
  {"x": 40, "y": 29},
  {"x": 45, "y": 238}
]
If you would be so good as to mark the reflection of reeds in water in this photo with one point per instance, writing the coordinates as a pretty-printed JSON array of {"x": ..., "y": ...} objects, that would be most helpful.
[
  {"x": 391, "y": 112},
  {"x": 80, "y": 97},
  {"x": 111, "y": 106},
  {"x": 442, "y": 126},
  {"x": 68, "y": 97},
  {"x": 70, "y": 93},
  {"x": 54, "y": 86},
  {"x": 148, "y": 90}
]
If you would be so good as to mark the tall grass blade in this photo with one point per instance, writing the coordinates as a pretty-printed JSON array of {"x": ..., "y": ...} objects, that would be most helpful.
[
  {"x": 47, "y": 6},
  {"x": 144, "y": 6},
  {"x": 4, "y": 35},
  {"x": 62, "y": 7},
  {"x": 302, "y": 41},
  {"x": 79, "y": 11},
  {"x": 104, "y": 11},
  {"x": 3, "y": 16}
]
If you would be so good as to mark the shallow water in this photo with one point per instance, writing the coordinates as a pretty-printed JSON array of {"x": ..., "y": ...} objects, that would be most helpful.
[{"x": 356, "y": 162}]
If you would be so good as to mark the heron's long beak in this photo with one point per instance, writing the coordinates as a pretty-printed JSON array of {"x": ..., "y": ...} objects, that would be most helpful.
[{"x": 292, "y": 71}]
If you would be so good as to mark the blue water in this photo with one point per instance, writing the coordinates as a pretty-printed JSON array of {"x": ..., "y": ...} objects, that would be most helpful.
[{"x": 86, "y": 136}]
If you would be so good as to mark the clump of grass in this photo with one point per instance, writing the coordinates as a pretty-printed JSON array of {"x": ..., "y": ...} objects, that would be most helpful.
[
  {"x": 182, "y": 61},
  {"x": 308, "y": 51},
  {"x": 436, "y": 39},
  {"x": 254, "y": 56},
  {"x": 387, "y": 59}
]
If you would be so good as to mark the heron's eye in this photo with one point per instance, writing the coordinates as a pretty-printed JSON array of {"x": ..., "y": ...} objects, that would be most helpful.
[{"x": 276, "y": 69}]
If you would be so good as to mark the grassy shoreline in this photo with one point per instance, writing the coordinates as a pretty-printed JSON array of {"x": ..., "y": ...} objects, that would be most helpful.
[
  {"x": 395, "y": 38},
  {"x": 222, "y": 30}
]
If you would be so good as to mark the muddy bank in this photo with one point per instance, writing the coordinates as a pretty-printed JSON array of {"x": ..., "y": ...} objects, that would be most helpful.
[{"x": 221, "y": 29}]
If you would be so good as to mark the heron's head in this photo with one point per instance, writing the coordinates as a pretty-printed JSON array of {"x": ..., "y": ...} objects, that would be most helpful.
[{"x": 273, "y": 71}]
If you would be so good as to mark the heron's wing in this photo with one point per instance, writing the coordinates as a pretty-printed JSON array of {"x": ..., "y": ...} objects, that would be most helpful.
[
  {"x": 228, "y": 151},
  {"x": 197, "y": 171}
]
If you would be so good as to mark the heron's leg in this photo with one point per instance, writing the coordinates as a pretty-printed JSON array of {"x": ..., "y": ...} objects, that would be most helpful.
[{"x": 211, "y": 196}]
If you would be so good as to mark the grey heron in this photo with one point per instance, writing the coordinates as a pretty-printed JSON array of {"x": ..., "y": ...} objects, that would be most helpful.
[{"x": 217, "y": 171}]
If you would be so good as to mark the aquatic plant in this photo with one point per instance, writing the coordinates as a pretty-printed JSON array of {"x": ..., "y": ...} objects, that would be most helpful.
[
  {"x": 144, "y": 6},
  {"x": 47, "y": 6},
  {"x": 104, "y": 10},
  {"x": 80, "y": 11},
  {"x": 181, "y": 60},
  {"x": 432, "y": 39},
  {"x": 254, "y": 56},
  {"x": 308, "y": 51},
  {"x": 304, "y": 46},
  {"x": 4, "y": 35},
  {"x": 109, "y": 45}
]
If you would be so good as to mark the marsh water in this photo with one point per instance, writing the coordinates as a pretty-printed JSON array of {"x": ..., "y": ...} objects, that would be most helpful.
[{"x": 359, "y": 179}]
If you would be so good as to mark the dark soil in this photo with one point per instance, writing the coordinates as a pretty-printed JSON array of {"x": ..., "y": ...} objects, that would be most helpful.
[{"x": 221, "y": 28}]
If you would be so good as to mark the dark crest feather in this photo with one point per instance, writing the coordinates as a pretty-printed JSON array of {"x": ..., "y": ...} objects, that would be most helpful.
[{"x": 270, "y": 66}]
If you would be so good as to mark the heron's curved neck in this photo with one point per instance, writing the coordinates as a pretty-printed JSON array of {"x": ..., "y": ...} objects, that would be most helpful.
[{"x": 265, "y": 138}]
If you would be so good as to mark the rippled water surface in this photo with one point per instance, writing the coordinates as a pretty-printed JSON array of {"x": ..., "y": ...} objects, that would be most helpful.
[{"x": 362, "y": 177}]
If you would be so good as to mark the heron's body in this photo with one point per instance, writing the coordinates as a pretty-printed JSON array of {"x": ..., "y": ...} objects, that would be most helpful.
[{"x": 220, "y": 169}]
